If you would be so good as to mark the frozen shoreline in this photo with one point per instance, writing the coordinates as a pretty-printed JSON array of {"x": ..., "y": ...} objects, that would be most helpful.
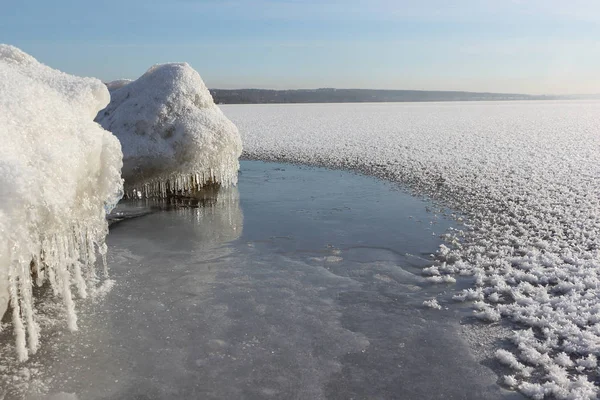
[{"x": 306, "y": 286}]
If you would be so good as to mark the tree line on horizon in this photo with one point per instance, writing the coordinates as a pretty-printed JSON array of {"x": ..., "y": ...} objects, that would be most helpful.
[{"x": 330, "y": 95}]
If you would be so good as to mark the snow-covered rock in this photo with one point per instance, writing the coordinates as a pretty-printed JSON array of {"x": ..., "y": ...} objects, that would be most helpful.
[
  {"x": 118, "y": 84},
  {"x": 59, "y": 174},
  {"x": 175, "y": 139}
]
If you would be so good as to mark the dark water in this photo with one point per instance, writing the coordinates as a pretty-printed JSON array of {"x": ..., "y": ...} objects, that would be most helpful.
[{"x": 304, "y": 284}]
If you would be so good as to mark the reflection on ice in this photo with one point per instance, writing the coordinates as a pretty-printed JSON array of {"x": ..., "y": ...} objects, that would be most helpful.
[
  {"x": 215, "y": 210},
  {"x": 218, "y": 217}
]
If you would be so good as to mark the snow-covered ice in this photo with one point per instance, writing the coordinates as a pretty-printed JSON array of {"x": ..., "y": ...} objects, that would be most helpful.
[
  {"x": 525, "y": 178},
  {"x": 174, "y": 138},
  {"x": 59, "y": 173}
]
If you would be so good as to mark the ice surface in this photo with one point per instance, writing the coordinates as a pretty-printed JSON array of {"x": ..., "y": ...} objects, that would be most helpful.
[
  {"x": 174, "y": 138},
  {"x": 315, "y": 298},
  {"x": 526, "y": 178},
  {"x": 59, "y": 173}
]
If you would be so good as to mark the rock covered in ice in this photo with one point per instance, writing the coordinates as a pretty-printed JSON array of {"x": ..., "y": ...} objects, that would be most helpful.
[
  {"x": 59, "y": 173},
  {"x": 174, "y": 138}
]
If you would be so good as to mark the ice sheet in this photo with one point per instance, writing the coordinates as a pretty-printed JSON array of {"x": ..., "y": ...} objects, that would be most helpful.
[
  {"x": 526, "y": 178},
  {"x": 315, "y": 298}
]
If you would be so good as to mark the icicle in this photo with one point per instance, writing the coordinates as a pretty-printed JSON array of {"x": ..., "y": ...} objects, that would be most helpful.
[
  {"x": 50, "y": 261},
  {"x": 18, "y": 327},
  {"x": 65, "y": 283},
  {"x": 74, "y": 261},
  {"x": 25, "y": 287},
  {"x": 103, "y": 249},
  {"x": 90, "y": 257}
]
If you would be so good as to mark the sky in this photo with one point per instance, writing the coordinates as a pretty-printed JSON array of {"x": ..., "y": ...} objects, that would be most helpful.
[{"x": 509, "y": 46}]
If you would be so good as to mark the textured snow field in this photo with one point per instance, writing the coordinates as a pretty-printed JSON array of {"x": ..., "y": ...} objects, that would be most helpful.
[{"x": 525, "y": 177}]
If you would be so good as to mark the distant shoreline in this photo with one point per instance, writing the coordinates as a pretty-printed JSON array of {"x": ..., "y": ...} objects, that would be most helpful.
[{"x": 330, "y": 95}]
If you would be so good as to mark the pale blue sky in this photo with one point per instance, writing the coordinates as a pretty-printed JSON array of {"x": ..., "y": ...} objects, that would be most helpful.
[{"x": 528, "y": 46}]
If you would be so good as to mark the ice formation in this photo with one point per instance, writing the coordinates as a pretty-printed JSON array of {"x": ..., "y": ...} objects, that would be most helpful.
[
  {"x": 432, "y": 303},
  {"x": 59, "y": 173},
  {"x": 175, "y": 139},
  {"x": 525, "y": 177}
]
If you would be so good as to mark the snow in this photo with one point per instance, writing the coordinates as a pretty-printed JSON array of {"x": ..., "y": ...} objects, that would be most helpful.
[
  {"x": 432, "y": 303},
  {"x": 59, "y": 173},
  {"x": 524, "y": 180},
  {"x": 175, "y": 139},
  {"x": 118, "y": 84}
]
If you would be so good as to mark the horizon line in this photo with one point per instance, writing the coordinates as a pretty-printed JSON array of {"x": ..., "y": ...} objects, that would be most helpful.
[{"x": 418, "y": 90}]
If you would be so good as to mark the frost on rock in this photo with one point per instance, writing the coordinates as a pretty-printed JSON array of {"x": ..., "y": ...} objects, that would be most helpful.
[
  {"x": 59, "y": 174},
  {"x": 525, "y": 177},
  {"x": 175, "y": 139}
]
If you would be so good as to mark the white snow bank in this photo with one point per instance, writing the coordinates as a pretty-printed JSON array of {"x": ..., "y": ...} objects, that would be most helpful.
[
  {"x": 525, "y": 175},
  {"x": 59, "y": 173},
  {"x": 174, "y": 138}
]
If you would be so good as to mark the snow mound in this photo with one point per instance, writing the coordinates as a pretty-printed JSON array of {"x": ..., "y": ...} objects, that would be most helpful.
[
  {"x": 175, "y": 139},
  {"x": 525, "y": 177},
  {"x": 59, "y": 174}
]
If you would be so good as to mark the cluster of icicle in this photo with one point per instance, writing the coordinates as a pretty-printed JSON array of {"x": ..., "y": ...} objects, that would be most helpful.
[
  {"x": 64, "y": 260},
  {"x": 182, "y": 185},
  {"x": 60, "y": 172}
]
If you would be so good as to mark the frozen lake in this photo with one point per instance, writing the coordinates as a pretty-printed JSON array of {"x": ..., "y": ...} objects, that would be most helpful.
[
  {"x": 308, "y": 283},
  {"x": 526, "y": 177},
  {"x": 304, "y": 284}
]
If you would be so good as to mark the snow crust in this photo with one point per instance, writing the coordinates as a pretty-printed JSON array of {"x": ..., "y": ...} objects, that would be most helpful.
[
  {"x": 175, "y": 139},
  {"x": 59, "y": 174},
  {"x": 524, "y": 178}
]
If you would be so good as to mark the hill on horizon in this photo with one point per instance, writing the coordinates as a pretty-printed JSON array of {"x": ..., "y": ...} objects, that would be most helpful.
[{"x": 331, "y": 95}]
